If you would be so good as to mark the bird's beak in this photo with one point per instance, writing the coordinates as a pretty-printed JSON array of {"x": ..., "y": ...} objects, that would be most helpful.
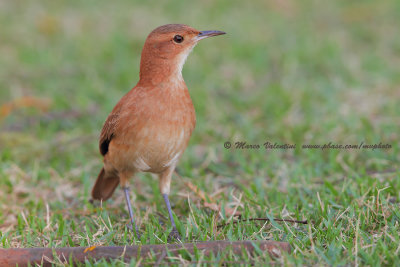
[{"x": 206, "y": 34}]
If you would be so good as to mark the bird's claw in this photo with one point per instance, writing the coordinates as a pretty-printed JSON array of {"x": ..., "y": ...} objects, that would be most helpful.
[
  {"x": 130, "y": 227},
  {"x": 174, "y": 235}
]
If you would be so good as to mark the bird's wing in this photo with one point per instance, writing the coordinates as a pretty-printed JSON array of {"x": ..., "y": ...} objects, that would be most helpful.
[
  {"x": 125, "y": 108},
  {"x": 107, "y": 133},
  {"x": 110, "y": 127}
]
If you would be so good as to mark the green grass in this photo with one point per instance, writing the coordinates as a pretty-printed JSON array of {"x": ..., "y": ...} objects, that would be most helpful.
[{"x": 293, "y": 72}]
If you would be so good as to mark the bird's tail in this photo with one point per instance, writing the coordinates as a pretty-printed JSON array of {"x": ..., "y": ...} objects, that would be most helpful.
[{"x": 105, "y": 185}]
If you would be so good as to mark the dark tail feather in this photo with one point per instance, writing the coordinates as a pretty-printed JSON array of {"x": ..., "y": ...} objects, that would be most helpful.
[{"x": 105, "y": 185}]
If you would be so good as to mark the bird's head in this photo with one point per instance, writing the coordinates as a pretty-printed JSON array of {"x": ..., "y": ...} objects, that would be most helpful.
[{"x": 167, "y": 47}]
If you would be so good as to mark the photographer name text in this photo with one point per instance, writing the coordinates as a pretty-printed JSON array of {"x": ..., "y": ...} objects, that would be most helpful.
[{"x": 242, "y": 145}]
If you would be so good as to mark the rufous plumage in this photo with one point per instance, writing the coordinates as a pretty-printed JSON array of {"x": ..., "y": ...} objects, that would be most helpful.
[{"x": 150, "y": 127}]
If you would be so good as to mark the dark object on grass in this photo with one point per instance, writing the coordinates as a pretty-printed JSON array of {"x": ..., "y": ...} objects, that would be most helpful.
[
  {"x": 263, "y": 219},
  {"x": 47, "y": 256}
]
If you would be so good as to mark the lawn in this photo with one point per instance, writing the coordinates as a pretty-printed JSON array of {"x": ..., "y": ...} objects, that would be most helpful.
[{"x": 287, "y": 72}]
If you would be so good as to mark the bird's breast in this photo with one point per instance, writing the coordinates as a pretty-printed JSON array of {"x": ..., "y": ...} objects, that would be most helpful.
[
  {"x": 160, "y": 143},
  {"x": 157, "y": 133}
]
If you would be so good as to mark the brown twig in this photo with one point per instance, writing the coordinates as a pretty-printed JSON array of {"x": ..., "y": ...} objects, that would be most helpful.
[
  {"x": 263, "y": 219},
  {"x": 47, "y": 256}
]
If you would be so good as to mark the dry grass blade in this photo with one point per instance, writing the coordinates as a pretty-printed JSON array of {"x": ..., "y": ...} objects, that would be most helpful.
[
  {"x": 28, "y": 101},
  {"x": 209, "y": 201}
]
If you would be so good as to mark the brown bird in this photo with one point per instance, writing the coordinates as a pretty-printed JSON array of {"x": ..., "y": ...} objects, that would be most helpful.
[{"x": 149, "y": 128}]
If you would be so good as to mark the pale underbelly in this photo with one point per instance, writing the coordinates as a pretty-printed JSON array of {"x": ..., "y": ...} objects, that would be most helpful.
[{"x": 155, "y": 152}]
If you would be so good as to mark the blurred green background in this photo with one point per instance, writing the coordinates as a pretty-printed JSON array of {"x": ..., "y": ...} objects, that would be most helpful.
[{"x": 303, "y": 72}]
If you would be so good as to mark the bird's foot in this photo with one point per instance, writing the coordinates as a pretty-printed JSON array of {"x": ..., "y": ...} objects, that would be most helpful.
[
  {"x": 174, "y": 235},
  {"x": 130, "y": 227}
]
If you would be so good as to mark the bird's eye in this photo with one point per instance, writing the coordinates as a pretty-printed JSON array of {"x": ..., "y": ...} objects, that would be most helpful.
[{"x": 178, "y": 39}]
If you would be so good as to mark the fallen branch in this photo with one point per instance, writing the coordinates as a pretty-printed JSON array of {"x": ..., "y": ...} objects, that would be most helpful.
[
  {"x": 47, "y": 256},
  {"x": 263, "y": 219}
]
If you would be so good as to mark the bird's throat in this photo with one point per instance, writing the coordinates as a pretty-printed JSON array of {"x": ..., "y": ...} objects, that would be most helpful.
[{"x": 157, "y": 69}]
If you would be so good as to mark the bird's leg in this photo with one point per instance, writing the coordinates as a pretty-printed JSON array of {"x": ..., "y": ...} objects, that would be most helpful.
[
  {"x": 165, "y": 182},
  {"x": 128, "y": 202},
  {"x": 174, "y": 233}
]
